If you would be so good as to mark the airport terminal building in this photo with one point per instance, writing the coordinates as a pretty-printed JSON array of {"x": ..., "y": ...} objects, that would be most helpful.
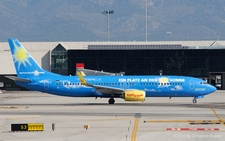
[{"x": 203, "y": 59}]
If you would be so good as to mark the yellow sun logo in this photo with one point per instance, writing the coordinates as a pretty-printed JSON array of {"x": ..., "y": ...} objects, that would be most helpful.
[
  {"x": 21, "y": 56},
  {"x": 163, "y": 80}
]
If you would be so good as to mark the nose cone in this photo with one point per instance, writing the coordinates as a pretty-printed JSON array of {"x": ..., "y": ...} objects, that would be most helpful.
[{"x": 212, "y": 88}]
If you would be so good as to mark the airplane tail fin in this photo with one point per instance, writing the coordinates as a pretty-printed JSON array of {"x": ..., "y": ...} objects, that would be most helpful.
[{"x": 24, "y": 64}]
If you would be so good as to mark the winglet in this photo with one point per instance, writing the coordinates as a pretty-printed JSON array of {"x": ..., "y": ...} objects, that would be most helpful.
[
  {"x": 82, "y": 73},
  {"x": 82, "y": 80}
]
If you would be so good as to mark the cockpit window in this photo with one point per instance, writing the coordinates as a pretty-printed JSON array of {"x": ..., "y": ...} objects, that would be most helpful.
[{"x": 203, "y": 83}]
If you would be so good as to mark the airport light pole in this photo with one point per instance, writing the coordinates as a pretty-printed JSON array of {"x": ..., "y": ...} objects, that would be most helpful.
[
  {"x": 146, "y": 20},
  {"x": 108, "y": 12}
]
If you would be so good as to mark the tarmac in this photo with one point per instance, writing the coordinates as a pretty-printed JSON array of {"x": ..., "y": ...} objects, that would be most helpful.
[{"x": 158, "y": 119}]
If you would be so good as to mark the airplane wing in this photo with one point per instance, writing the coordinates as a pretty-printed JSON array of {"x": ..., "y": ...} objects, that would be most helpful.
[
  {"x": 100, "y": 88},
  {"x": 108, "y": 90},
  {"x": 18, "y": 79}
]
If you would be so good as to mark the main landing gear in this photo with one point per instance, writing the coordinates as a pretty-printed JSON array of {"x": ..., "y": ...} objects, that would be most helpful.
[
  {"x": 194, "y": 101},
  {"x": 111, "y": 101}
]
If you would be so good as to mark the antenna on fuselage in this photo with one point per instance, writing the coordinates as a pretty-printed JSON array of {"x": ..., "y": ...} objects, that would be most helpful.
[{"x": 160, "y": 72}]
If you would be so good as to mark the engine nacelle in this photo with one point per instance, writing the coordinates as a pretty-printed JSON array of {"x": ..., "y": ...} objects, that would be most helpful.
[{"x": 134, "y": 95}]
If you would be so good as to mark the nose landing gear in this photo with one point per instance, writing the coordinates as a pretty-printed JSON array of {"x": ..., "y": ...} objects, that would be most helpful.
[{"x": 194, "y": 101}]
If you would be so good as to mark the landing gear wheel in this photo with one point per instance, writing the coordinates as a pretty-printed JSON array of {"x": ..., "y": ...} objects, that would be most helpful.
[
  {"x": 194, "y": 101},
  {"x": 111, "y": 101}
]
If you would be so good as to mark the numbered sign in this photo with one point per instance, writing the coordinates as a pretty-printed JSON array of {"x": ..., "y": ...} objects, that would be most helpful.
[
  {"x": 19, "y": 127},
  {"x": 27, "y": 127}
]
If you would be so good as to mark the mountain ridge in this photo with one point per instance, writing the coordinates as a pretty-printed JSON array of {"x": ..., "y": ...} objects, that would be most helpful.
[{"x": 81, "y": 20}]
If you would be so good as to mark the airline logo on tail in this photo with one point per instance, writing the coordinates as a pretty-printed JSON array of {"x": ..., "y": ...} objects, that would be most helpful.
[
  {"x": 20, "y": 55},
  {"x": 25, "y": 65}
]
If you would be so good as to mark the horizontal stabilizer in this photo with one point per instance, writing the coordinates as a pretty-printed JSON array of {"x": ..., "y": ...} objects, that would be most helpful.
[{"x": 18, "y": 79}]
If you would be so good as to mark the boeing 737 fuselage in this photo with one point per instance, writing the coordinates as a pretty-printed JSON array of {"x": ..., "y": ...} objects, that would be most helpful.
[{"x": 131, "y": 88}]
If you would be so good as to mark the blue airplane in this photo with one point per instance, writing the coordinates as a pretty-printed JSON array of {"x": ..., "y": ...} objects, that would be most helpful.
[{"x": 130, "y": 88}]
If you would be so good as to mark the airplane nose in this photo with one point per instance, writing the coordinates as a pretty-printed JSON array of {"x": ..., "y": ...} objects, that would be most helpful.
[{"x": 212, "y": 88}]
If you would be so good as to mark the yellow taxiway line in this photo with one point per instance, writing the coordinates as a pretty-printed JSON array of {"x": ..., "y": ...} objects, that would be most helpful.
[
  {"x": 134, "y": 132},
  {"x": 220, "y": 120}
]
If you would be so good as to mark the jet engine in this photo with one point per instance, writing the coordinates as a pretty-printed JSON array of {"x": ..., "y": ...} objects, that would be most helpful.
[{"x": 134, "y": 95}]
